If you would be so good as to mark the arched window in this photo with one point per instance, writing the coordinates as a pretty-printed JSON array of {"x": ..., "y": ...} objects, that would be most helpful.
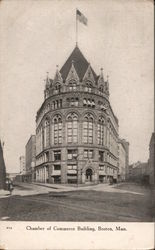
[
  {"x": 72, "y": 128},
  {"x": 108, "y": 134},
  {"x": 57, "y": 129},
  {"x": 46, "y": 133},
  {"x": 88, "y": 129},
  {"x": 41, "y": 139},
  {"x": 100, "y": 131}
]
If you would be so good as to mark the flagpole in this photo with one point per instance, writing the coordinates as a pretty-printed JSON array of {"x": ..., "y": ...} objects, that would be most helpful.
[{"x": 76, "y": 29}]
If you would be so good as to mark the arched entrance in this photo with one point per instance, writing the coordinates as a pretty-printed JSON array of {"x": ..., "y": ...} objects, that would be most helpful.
[{"x": 89, "y": 174}]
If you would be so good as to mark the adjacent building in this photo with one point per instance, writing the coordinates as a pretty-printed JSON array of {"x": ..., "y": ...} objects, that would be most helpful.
[
  {"x": 76, "y": 128},
  {"x": 22, "y": 164},
  {"x": 152, "y": 159},
  {"x": 139, "y": 172},
  {"x": 123, "y": 163},
  {"x": 2, "y": 168},
  {"x": 30, "y": 158}
]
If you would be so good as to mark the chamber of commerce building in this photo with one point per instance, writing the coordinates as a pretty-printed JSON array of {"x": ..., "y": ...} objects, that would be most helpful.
[{"x": 76, "y": 131}]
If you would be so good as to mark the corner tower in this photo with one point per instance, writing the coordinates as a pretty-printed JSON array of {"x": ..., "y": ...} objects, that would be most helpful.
[{"x": 77, "y": 131}]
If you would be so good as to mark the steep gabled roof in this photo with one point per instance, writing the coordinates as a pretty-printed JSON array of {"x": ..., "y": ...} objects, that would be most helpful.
[{"x": 80, "y": 64}]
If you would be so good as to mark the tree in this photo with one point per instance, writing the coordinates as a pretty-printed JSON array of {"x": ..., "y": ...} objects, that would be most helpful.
[{"x": 2, "y": 169}]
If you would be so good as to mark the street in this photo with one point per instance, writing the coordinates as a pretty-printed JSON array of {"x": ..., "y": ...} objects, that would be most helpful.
[{"x": 125, "y": 202}]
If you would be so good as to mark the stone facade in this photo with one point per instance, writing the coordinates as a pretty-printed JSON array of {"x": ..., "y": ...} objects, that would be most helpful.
[
  {"x": 30, "y": 158},
  {"x": 123, "y": 163},
  {"x": 22, "y": 164},
  {"x": 76, "y": 129},
  {"x": 139, "y": 172}
]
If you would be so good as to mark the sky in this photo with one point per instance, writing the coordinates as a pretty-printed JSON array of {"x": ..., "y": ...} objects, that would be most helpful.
[{"x": 38, "y": 35}]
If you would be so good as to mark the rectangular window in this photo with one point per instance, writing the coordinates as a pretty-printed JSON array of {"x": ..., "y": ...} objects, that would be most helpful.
[
  {"x": 72, "y": 154},
  {"x": 46, "y": 156},
  {"x": 85, "y": 153},
  {"x": 71, "y": 167},
  {"x": 85, "y": 132},
  {"x": 88, "y": 154},
  {"x": 57, "y": 155},
  {"x": 101, "y": 156},
  {"x": 57, "y": 167},
  {"x": 101, "y": 168}
]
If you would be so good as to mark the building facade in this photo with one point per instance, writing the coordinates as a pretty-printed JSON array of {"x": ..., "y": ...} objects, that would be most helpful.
[
  {"x": 76, "y": 129},
  {"x": 123, "y": 163},
  {"x": 30, "y": 158},
  {"x": 139, "y": 172},
  {"x": 22, "y": 164},
  {"x": 152, "y": 160}
]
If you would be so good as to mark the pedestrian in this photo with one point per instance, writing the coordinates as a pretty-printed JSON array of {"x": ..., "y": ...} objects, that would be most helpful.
[{"x": 11, "y": 187}]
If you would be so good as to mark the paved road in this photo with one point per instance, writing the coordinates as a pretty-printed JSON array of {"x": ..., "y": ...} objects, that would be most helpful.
[
  {"x": 95, "y": 203},
  {"x": 24, "y": 189}
]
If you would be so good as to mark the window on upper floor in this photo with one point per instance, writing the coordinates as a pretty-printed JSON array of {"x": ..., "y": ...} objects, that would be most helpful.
[
  {"x": 89, "y": 102},
  {"x": 57, "y": 129},
  {"x": 46, "y": 156},
  {"x": 88, "y": 154},
  {"x": 57, "y": 104},
  {"x": 73, "y": 102},
  {"x": 88, "y": 87},
  {"x": 100, "y": 131},
  {"x": 101, "y": 89},
  {"x": 88, "y": 129},
  {"x": 101, "y": 167},
  {"x": 57, "y": 88},
  {"x": 72, "y": 86},
  {"x": 57, "y": 167},
  {"x": 71, "y": 167},
  {"x": 72, "y": 154},
  {"x": 57, "y": 155},
  {"x": 101, "y": 156},
  {"x": 46, "y": 133},
  {"x": 72, "y": 128}
]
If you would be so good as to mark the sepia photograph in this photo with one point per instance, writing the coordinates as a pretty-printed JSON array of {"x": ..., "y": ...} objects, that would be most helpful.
[{"x": 77, "y": 134}]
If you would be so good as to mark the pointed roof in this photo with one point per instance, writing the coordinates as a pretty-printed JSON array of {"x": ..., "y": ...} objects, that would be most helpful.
[
  {"x": 80, "y": 64},
  {"x": 57, "y": 77},
  {"x": 72, "y": 73}
]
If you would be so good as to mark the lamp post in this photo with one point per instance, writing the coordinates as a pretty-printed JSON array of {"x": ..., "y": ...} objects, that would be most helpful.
[{"x": 76, "y": 158}]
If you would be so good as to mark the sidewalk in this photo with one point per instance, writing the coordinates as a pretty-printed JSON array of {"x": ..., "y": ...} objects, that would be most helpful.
[
  {"x": 44, "y": 188},
  {"x": 4, "y": 193},
  {"x": 104, "y": 187}
]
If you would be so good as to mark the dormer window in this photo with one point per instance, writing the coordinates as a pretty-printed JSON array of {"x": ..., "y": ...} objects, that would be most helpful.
[
  {"x": 72, "y": 86},
  {"x": 57, "y": 88},
  {"x": 88, "y": 87},
  {"x": 101, "y": 89}
]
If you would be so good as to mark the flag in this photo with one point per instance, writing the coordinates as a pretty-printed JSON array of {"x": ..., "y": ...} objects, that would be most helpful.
[{"x": 81, "y": 17}]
